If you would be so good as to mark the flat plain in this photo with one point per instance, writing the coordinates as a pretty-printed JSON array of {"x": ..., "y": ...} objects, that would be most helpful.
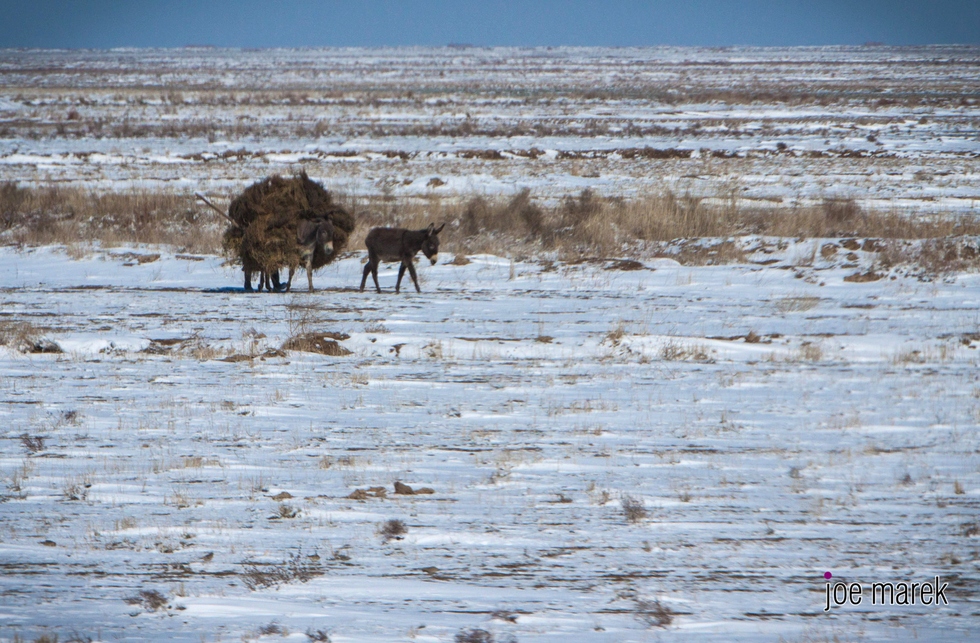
[{"x": 666, "y": 442}]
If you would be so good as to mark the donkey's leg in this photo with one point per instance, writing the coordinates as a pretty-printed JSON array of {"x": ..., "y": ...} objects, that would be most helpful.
[
  {"x": 289, "y": 280},
  {"x": 248, "y": 280},
  {"x": 309, "y": 273},
  {"x": 367, "y": 270},
  {"x": 374, "y": 273},
  {"x": 411, "y": 271},
  {"x": 401, "y": 273}
]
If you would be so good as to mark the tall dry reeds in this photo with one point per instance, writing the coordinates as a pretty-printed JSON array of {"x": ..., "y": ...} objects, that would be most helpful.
[
  {"x": 581, "y": 225},
  {"x": 65, "y": 215}
]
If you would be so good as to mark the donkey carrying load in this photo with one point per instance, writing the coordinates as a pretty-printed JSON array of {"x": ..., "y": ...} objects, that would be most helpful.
[
  {"x": 399, "y": 244},
  {"x": 284, "y": 223}
]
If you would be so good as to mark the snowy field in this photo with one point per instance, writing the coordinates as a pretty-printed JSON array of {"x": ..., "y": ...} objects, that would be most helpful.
[
  {"x": 606, "y": 451},
  {"x": 179, "y": 447},
  {"x": 892, "y": 127}
]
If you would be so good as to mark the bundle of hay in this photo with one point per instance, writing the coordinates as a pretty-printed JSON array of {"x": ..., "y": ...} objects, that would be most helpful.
[{"x": 266, "y": 216}]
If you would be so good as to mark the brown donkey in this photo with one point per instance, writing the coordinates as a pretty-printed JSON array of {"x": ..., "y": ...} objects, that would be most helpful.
[
  {"x": 311, "y": 235},
  {"x": 399, "y": 244}
]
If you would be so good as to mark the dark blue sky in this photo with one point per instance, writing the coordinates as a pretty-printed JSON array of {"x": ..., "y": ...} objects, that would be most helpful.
[{"x": 304, "y": 23}]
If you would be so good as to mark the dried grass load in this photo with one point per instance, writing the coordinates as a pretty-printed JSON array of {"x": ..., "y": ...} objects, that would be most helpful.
[{"x": 266, "y": 216}]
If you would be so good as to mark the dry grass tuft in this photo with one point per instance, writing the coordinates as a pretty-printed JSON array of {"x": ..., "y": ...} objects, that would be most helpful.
[
  {"x": 796, "y": 304},
  {"x": 25, "y": 337},
  {"x": 810, "y": 352},
  {"x": 675, "y": 351}
]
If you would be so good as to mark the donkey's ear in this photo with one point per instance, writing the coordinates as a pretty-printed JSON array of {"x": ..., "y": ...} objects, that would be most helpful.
[
  {"x": 428, "y": 231},
  {"x": 439, "y": 229}
]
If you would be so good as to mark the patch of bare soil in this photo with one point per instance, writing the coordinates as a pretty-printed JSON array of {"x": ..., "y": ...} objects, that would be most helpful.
[
  {"x": 370, "y": 492},
  {"x": 863, "y": 277},
  {"x": 403, "y": 489},
  {"x": 322, "y": 343},
  {"x": 134, "y": 258},
  {"x": 693, "y": 252},
  {"x": 625, "y": 264}
]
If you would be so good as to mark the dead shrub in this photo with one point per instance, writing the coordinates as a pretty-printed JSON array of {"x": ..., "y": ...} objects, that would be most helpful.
[
  {"x": 297, "y": 567},
  {"x": 149, "y": 599},
  {"x": 33, "y": 443},
  {"x": 75, "y": 489},
  {"x": 320, "y": 636},
  {"x": 477, "y": 216},
  {"x": 519, "y": 217},
  {"x": 654, "y": 613},
  {"x": 273, "y": 628},
  {"x": 285, "y": 512},
  {"x": 474, "y": 635},
  {"x": 392, "y": 530}
]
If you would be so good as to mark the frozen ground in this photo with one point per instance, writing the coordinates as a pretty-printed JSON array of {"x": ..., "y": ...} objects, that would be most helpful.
[
  {"x": 895, "y": 128},
  {"x": 773, "y": 421},
  {"x": 666, "y": 453}
]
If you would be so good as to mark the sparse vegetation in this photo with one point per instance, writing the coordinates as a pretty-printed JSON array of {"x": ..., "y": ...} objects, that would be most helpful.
[
  {"x": 297, "y": 568},
  {"x": 678, "y": 351},
  {"x": 324, "y": 343},
  {"x": 474, "y": 635},
  {"x": 318, "y": 636},
  {"x": 65, "y": 215},
  {"x": 654, "y": 613},
  {"x": 577, "y": 226},
  {"x": 589, "y": 413},
  {"x": 25, "y": 337},
  {"x": 33, "y": 443},
  {"x": 149, "y": 599},
  {"x": 633, "y": 509},
  {"x": 393, "y": 529},
  {"x": 797, "y": 304}
]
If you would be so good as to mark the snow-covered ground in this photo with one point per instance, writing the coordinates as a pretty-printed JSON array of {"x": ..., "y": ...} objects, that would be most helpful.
[
  {"x": 617, "y": 451},
  {"x": 774, "y": 422},
  {"x": 894, "y": 128}
]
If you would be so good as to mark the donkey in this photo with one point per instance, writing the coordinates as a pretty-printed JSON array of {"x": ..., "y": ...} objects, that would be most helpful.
[
  {"x": 268, "y": 279},
  {"x": 311, "y": 235},
  {"x": 399, "y": 244}
]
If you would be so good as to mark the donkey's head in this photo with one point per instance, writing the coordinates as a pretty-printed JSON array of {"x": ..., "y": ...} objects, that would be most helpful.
[
  {"x": 318, "y": 232},
  {"x": 430, "y": 246}
]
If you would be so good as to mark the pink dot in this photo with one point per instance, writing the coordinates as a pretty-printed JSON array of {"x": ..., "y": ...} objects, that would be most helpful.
[{"x": 828, "y": 575}]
